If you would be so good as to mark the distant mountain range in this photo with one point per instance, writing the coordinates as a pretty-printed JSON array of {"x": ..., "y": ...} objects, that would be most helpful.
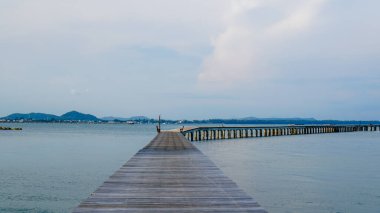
[
  {"x": 278, "y": 119},
  {"x": 32, "y": 116},
  {"x": 75, "y": 116},
  {"x": 69, "y": 116},
  {"x": 133, "y": 118}
]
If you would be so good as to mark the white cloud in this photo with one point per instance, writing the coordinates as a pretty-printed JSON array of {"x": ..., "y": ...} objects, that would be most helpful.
[
  {"x": 306, "y": 53},
  {"x": 238, "y": 51},
  {"x": 299, "y": 19}
]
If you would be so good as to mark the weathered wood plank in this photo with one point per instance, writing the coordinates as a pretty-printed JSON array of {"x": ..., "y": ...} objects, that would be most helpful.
[{"x": 169, "y": 175}]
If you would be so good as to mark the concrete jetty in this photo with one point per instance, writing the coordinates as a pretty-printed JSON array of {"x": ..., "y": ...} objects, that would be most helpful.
[
  {"x": 234, "y": 132},
  {"x": 169, "y": 175}
]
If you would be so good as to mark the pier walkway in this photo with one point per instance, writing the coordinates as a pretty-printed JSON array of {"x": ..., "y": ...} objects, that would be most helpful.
[
  {"x": 234, "y": 132},
  {"x": 169, "y": 175}
]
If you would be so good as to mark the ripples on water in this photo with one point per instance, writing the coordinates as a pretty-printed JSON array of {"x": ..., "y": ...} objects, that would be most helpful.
[
  {"x": 52, "y": 167},
  {"x": 306, "y": 173}
]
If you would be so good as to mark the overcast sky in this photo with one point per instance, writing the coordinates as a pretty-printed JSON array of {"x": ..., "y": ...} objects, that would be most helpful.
[{"x": 191, "y": 59}]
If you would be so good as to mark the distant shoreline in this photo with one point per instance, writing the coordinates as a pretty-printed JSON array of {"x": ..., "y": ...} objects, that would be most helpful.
[
  {"x": 205, "y": 122},
  {"x": 78, "y": 117}
]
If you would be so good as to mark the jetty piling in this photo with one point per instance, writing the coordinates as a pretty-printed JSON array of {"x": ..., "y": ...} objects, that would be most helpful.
[{"x": 218, "y": 133}]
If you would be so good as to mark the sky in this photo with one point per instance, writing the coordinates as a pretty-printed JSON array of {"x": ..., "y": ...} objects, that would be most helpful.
[{"x": 192, "y": 59}]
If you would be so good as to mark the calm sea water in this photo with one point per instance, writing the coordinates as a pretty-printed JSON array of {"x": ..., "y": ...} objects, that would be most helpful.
[
  {"x": 334, "y": 173},
  {"x": 52, "y": 167}
]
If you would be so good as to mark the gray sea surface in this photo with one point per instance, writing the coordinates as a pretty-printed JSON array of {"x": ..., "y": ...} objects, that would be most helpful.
[
  {"x": 334, "y": 173},
  {"x": 52, "y": 167}
]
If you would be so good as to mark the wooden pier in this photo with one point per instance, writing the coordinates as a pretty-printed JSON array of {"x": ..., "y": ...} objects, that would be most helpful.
[
  {"x": 169, "y": 175},
  {"x": 218, "y": 133}
]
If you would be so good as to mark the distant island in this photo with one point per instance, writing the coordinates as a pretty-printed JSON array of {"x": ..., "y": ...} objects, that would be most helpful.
[
  {"x": 71, "y": 117},
  {"x": 78, "y": 117}
]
